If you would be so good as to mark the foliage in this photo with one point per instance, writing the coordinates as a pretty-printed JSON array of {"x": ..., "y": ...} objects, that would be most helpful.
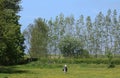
[
  {"x": 72, "y": 47},
  {"x": 94, "y": 37},
  {"x": 78, "y": 61},
  {"x": 110, "y": 60},
  {"x": 37, "y": 36},
  {"x": 11, "y": 39}
]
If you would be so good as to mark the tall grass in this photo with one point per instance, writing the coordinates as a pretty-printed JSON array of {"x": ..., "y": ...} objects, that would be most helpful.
[{"x": 79, "y": 61}]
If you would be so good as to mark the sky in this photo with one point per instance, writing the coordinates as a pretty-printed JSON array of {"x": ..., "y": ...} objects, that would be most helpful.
[{"x": 33, "y": 9}]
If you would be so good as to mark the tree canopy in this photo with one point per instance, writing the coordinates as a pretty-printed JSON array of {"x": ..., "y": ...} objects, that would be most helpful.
[
  {"x": 11, "y": 39},
  {"x": 99, "y": 35},
  {"x": 37, "y": 38}
]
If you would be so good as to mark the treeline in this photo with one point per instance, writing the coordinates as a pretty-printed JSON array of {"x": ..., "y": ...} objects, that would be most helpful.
[{"x": 71, "y": 37}]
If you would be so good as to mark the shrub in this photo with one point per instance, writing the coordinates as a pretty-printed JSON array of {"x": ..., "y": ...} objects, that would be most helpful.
[
  {"x": 111, "y": 65},
  {"x": 72, "y": 47}
]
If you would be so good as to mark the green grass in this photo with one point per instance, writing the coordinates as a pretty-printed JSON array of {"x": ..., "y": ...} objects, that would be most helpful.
[{"x": 55, "y": 71}]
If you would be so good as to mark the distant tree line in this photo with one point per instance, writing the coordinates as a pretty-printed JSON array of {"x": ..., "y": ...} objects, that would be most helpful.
[{"x": 72, "y": 37}]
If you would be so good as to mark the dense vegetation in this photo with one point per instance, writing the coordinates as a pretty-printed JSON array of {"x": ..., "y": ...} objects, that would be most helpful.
[
  {"x": 72, "y": 47},
  {"x": 63, "y": 37},
  {"x": 68, "y": 36},
  {"x": 11, "y": 39},
  {"x": 86, "y": 46}
]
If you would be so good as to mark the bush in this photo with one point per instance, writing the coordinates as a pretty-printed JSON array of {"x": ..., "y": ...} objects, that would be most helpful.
[
  {"x": 45, "y": 61},
  {"x": 111, "y": 65},
  {"x": 72, "y": 47},
  {"x": 86, "y": 60}
]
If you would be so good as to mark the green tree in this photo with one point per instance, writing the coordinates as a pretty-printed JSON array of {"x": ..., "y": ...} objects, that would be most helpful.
[
  {"x": 71, "y": 47},
  {"x": 11, "y": 39},
  {"x": 115, "y": 33},
  {"x": 99, "y": 34},
  {"x": 69, "y": 25},
  {"x": 37, "y": 38},
  {"x": 80, "y": 26},
  {"x": 89, "y": 34},
  {"x": 56, "y": 32}
]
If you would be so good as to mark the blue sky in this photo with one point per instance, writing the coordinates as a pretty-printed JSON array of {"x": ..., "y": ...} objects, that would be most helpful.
[{"x": 33, "y": 9}]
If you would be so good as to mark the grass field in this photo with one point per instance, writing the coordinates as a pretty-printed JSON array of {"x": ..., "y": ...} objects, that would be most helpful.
[{"x": 55, "y": 71}]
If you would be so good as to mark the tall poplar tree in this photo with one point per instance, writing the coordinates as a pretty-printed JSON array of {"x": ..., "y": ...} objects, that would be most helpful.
[
  {"x": 99, "y": 33},
  {"x": 89, "y": 39}
]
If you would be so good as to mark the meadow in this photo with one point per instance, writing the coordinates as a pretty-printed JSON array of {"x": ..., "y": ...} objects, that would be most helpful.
[{"x": 33, "y": 70}]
